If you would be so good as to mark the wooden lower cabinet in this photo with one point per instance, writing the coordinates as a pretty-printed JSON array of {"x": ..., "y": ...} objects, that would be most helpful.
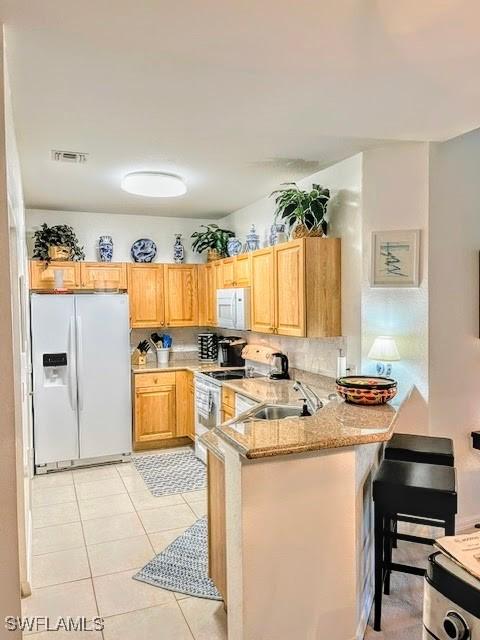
[
  {"x": 155, "y": 409},
  {"x": 217, "y": 531},
  {"x": 228, "y": 404},
  {"x": 184, "y": 406},
  {"x": 163, "y": 409}
]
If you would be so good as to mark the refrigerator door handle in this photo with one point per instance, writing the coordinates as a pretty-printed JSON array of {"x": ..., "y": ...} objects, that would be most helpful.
[
  {"x": 79, "y": 363},
  {"x": 72, "y": 387}
]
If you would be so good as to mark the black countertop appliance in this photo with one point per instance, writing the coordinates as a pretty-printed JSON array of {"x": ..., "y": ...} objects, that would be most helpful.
[
  {"x": 279, "y": 371},
  {"x": 230, "y": 351}
]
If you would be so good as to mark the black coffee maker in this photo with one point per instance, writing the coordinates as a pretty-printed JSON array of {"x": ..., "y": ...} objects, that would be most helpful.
[{"x": 230, "y": 351}]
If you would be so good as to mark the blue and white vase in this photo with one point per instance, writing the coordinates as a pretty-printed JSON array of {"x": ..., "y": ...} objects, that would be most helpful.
[
  {"x": 105, "y": 248},
  {"x": 234, "y": 247},
  {"x": 178, "y": 249},
  {"x": 253, "y": 240},
  {"x": 277, "y": 234}
]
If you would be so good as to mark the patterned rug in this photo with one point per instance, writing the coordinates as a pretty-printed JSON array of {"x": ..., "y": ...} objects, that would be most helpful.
[
  {"x": 168, "y": 473},
  {"x": 183, "y": 565}
]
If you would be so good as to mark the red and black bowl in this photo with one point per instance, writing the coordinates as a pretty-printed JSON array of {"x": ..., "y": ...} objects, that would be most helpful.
[{"x": 366, "y": 390}]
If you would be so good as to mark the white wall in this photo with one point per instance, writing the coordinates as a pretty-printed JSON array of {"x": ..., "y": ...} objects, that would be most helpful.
[
  {"x": 9, "y": 547},
  {"x": 345, "y": 182},
  {"x": 395, "y": 196},
  {"x": 454, "y": 307},
  {"x": 124, "y": 229}
]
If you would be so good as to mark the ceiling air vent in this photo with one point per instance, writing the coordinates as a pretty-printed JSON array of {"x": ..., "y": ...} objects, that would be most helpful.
[{"x": 69, "y": 156}]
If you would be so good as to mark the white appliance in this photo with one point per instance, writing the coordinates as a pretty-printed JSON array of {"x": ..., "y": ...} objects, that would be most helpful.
[
  {"x": 242, "y": 403},
  {"x": 233, "y": 309},
  {"x": 81, "y": 379},
  {"x": 212, "y": 389},
  {"x": 451, "y": 603}
]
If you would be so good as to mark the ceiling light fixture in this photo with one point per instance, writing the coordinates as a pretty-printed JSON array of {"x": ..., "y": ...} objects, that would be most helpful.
[{"x": 153, "y": 184}]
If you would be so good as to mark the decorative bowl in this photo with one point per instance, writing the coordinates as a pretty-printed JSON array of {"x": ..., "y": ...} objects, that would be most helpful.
[
  {"x": 234, "y": 246},
  {"x": 143, "y": 250},
  {"x": 366, "y": 390}
]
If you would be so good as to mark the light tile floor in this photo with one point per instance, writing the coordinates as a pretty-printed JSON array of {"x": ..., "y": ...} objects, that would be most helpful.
[{"x": 93, "y": 529}]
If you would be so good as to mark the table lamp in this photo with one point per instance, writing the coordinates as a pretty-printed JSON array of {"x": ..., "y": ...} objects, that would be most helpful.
[{"x": 384, "y": 351}]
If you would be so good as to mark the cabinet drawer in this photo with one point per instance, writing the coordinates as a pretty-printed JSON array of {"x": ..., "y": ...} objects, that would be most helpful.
[
  {"x": 228, "y": 398},
  {"x": 154, "y": 379}
]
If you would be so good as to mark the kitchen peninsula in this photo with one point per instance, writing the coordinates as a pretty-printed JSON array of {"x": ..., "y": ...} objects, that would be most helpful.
[{"x": 297, "y": 527}]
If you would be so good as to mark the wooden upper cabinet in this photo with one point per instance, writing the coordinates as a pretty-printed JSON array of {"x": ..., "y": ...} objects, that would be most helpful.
[
  {"x": 155, "y": 409},
  {"x": 202, "y": 294},
  {"x": 98, "y": 272},
  {"x": 228, "y": 273},
  {"x": 296, "y": 288},
  {"x": 42, "y": 276},
  {"x": 211, "y": 295},
  {"x": 263, "y": 294},
  {"x": 323, "y": 285},
  {"x": 207, "y": 293},
  {"x": 290, "y": 288},
  {"x": 243, "y": 276},
  {"x": 181, "y": 295},
  {"x": 146, "y": 295},
  {"x": 218, "y": 274},
  {"x": 234, "y": 272}
]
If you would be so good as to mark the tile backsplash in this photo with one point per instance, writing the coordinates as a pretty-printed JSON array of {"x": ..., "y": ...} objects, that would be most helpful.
[
  {"x": 316, "y": 355},
  {"x": 184, "y": 341}
]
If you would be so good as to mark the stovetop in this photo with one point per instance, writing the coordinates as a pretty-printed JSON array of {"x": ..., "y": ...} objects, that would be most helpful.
[{"x": 233, "y": 374}]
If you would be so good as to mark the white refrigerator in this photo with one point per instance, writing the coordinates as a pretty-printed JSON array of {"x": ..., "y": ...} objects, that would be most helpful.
[{"x": 81, "y": 379}]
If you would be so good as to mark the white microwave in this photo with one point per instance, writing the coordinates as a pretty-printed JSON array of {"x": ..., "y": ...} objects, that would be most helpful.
[{"x": 233, "y": 309}]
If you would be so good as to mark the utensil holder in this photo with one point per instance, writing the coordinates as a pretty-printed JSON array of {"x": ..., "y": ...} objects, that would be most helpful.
[{"x": 163, "y": 355}]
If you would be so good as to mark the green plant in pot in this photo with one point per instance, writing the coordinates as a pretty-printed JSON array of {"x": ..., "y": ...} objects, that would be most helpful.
[
  {"x": 214, "y": 240},
  {"x": 302, "y": 211},
  {"x": 56, "y": 243}
]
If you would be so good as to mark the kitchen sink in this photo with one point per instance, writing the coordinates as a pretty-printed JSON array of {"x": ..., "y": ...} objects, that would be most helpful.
[{"x": 275, "y": 412}]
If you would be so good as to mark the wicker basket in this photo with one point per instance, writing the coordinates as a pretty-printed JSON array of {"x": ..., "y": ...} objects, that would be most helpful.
[
  {"x": 212, "y": 255},
  {"x": 301, "y": 231},
  {"x": 59, "y": 253}
]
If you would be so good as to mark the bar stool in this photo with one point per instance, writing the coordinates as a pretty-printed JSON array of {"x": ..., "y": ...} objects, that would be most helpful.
[
  {"x": 412, "y": 492},
  {"x": 413, "y": 448},
  {"x": 427, "y": 449}
]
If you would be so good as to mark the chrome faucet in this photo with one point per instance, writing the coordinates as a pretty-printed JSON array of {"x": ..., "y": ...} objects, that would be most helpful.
[{"x": 312, "y": 399}]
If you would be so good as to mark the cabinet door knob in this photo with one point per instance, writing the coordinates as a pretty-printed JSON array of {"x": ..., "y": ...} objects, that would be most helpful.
[{"x": 155, "y": 380}]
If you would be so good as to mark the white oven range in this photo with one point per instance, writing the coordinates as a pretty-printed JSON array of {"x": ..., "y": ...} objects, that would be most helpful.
[{"x": 207, "y": 412}]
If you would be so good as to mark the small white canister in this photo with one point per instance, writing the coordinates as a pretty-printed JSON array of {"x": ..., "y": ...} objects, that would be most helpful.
[{"x": 162, "y": 355}]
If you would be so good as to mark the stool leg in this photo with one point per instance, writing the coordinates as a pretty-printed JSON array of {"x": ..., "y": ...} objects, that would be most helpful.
[
  {"x": 378, "y": 530},
  {"x": 394, "y": 529},
  {"x": 387, "y": 554},
  {"x": 450, "y": 526}
]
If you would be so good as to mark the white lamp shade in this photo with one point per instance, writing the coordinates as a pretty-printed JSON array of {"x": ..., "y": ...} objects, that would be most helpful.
[
  {"x": 384, "y": 349},
  {"x": 153, "y": 184}
]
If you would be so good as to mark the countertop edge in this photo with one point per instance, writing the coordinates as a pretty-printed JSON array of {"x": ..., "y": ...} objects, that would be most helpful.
[{"x": 328, "y": 444}]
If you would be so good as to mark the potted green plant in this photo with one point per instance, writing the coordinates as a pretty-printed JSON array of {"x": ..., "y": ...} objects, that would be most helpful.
[
  {"x": 214, "y": 240},
  {"x": 302, "y": 211},
  {"x": 56, "y": 243}
]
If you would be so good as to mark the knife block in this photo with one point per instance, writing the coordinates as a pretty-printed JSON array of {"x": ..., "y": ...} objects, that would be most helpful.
[{"x": 139, "y": 358}]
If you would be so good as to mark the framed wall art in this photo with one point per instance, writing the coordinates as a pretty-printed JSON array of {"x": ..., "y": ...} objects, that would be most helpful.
[{"x": 395, "y": 258}]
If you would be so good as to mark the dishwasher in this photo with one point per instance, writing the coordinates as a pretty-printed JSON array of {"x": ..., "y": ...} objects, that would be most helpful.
[{"x": 242, "y": 403}]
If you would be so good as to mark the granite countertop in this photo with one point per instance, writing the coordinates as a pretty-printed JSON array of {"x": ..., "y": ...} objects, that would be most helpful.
[
  {"x": 338, "y": 424},
  {"x": 177, "y": 365}
]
